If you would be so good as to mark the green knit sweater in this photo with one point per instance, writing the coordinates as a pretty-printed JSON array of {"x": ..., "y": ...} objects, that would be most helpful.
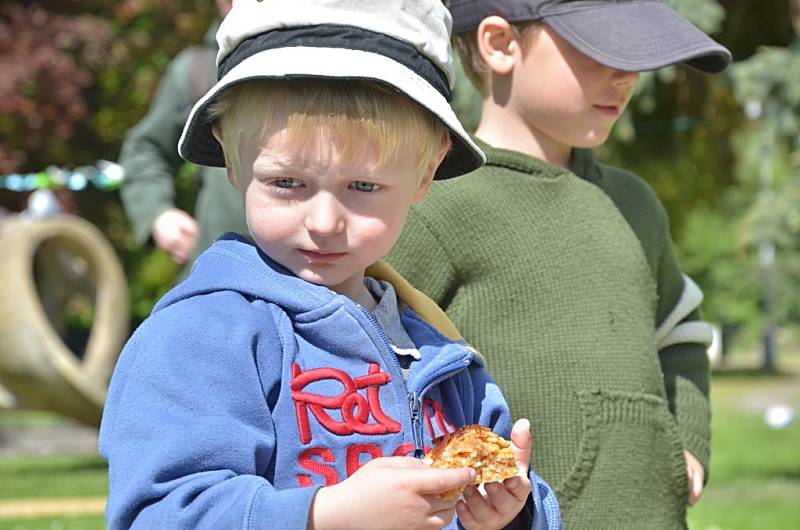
[{"x": 569, "y": 287}]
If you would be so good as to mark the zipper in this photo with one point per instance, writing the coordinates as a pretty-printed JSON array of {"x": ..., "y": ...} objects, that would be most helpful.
[
  {"x": 377, "y": 326},
  {"x": 414, "y": 398},
  {"x": 415, "y": 402}
]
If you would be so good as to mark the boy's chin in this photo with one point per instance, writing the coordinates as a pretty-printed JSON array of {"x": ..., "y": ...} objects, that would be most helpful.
[{"x": 592, "y": 140}]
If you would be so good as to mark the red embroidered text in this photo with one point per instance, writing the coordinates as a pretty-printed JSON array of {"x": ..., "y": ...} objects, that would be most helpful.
[{"x": 354, "y": 407}]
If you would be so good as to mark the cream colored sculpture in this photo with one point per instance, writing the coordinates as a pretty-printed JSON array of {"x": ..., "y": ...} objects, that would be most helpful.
[{"x": 64, "y": 255}]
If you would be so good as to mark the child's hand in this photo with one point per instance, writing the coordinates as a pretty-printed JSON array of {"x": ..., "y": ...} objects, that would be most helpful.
[
  {"x": 385, "y": 493},
  {"x": 502, "y": 501},
  {"x": 694, "y": 469}
]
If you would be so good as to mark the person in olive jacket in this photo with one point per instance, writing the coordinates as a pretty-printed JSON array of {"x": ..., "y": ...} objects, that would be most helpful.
[{"x": 150, "y": 159}]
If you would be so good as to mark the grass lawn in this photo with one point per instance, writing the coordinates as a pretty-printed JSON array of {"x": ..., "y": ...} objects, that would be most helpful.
[{"x": 755, "y": 471}]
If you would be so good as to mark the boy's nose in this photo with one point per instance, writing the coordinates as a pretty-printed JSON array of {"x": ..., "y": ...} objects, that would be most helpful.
[
  {"x": 622, "y": 78},
  {"x": 325, "y": 216}
]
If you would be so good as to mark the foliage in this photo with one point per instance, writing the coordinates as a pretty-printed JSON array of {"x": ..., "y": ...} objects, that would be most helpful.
[
  {"x": 77, "y": 75},
  {"x": 54, "y": 61},
  {"x": 689, "y": 136}
]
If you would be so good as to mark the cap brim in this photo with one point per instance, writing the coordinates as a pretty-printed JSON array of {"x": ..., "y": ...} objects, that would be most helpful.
[
  {"x": 198, "y": 145},
  {"x": 639, "y": 36}
]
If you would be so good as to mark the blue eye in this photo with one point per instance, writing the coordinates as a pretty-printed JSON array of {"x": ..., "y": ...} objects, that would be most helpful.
[
  {"x": 287, "y": 183},
  {"x": 361, "y": 185}
]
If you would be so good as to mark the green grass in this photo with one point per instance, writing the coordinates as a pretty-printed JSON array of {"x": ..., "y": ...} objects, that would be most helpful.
[
  {"x": 28, "y": 418},
  {"x": 52, "y": 476},
  {"x": 755, "y": 471},
  {"x": 63, "y": 523}
]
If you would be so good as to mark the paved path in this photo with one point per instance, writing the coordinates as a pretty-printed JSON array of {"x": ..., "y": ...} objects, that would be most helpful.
[
  {"x": 59, "y": 439},
  {"x": 43, "y": 440},
  {"x": 63, "y": 507}
]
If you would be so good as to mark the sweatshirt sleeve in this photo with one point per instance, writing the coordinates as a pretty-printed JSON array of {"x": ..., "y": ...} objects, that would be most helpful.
[
  {"x": 149, "y": 154},
  {"x": 682, "y": 339},
  {"x": 681, "y": 336},
  {"x": 541, "y": 511},
  {"x": 187, "y": 431},
  {"x": 420, "y": 255}
]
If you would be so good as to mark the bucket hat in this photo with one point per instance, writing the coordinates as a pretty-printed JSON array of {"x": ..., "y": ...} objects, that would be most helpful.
[
  {"x": 403, "y": 44},
  {"x": 629, "y": 35}
]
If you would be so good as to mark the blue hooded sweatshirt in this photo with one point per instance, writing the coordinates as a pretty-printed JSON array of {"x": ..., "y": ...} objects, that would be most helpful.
[{"x": 248, "y": 388}]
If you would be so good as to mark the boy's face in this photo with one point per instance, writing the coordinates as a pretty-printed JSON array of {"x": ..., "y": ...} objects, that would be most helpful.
[
  {"x": 564, "y": 94},
  {"x": 321, "y": 217}
]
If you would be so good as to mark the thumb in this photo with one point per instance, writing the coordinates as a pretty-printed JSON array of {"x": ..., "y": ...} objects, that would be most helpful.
[
  {"x": 521, "y": 443},
  {"x": 435, "y": 480}
]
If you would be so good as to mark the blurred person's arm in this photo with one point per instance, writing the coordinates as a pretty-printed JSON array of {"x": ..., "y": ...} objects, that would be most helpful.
[{"x": 150, "y": 159}]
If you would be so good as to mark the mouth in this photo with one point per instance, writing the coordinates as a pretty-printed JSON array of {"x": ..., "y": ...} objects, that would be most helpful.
[
  {"x": 608, "y": 110},
  {"x": 315, "y": 256}
]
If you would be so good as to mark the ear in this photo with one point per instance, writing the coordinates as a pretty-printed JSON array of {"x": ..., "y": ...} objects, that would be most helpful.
[
  {"x": 498, "y": 44},
  {"x": 427, "y": 179},
  {"x": 218, "y": 135}
]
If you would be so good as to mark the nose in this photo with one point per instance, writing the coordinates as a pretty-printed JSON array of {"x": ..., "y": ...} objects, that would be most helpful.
[
  {"x": 624, "y": 79},
  {"x": 325, "y": 216}
]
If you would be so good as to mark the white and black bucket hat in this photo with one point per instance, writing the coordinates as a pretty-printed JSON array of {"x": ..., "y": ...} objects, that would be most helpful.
[
  {"x": 404, "y": 44},
  {"x": 629, "y": 35}
]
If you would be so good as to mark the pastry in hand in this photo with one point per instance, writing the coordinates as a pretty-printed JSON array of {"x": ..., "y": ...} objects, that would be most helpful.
[{"x": 475, "y": 446}]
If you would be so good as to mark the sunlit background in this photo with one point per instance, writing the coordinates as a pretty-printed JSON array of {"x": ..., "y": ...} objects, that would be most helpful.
[{"x": 722, "y": 152}]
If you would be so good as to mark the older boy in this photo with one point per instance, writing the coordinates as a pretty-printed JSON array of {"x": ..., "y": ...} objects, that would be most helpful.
[
  {"x": 567, "y": 279},
  {"x": 279, "y": 386}
]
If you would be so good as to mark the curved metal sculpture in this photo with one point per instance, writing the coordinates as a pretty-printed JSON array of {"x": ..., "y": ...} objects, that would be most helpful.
[{"x": 36, "y": 366}]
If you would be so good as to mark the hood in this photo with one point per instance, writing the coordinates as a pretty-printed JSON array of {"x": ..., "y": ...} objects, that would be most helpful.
[{"x": 234, "y": 263}]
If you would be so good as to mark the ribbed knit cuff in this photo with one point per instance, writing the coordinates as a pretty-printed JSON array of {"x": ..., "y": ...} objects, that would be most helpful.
[
  {"x": 693, "y": 414},
  {"x": 286, "y": 509},
  {"x": 686, "y": 377},
  {"x": 700, "y": 448}
]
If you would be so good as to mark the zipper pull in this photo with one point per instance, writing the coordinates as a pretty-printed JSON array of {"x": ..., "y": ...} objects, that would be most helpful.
[{"x": 416, "y": 424}]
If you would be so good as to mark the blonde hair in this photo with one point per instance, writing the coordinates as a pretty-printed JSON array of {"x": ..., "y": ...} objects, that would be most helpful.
[
  {"x": 363, "y": 118},
  {"x": 466, "y": 43}
]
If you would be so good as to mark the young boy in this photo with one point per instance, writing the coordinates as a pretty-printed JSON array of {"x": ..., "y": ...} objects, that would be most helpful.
[
  {"x": 280, "y": 386},
  {"x": 561, "y": 268}
]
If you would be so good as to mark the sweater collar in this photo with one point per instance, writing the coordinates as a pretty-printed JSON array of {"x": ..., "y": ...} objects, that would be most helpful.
[
  {"x": 517, "y": 161},
  {"x": 582, "y": 163}
]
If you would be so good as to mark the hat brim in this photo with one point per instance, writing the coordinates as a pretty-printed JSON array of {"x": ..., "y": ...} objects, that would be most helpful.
[
  {"x": 197, "y": 143},
  {"x": 638, "y": 36}
]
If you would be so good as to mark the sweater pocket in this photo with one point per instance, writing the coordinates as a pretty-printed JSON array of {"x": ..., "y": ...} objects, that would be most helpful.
[{"x": 630, "y": 470}]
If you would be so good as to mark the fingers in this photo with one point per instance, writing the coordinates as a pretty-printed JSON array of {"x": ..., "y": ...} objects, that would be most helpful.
[
  {"x": 518, "y": 487},
  {"x": 432, "y": 480},
  {"x": 175, "y": 232},
  {"x": 695, "y": 485},
  {"x": 424, "y": 479},
  {"x": 696, "y": 475},
  {"x": 188, "y": 226},
  {"x": 442, "y": 518},
  {"x": 521, "y": 443},
  {"x": 398, "y": 462},
  {"x": 475, "y": 509},
  {"x": 501, "y": 502}
]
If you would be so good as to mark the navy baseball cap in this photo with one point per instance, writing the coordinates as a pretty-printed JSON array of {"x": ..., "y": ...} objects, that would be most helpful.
[{"x": 629, "y": 35}]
